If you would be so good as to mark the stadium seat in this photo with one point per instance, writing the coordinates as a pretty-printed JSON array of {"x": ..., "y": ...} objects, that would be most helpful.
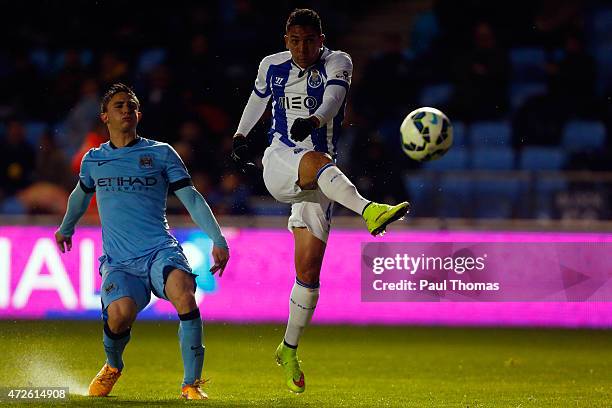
[
  {"x": 493, "y": 158},
  {"x": 490, "y": 134},
  {"x": 437, "y": 95},
  {"x": 603, "y": 59},
  {"x": 33, "y": 132},
  {"x": 420, "y": 188},
  {"x": 496, "y": 198},
  {"x": 150, "y": 59},
  {"x": 542, "y": 158},
  {"x": 87, "y": 56},
  {"x": 40, "y": 58},
  {"x": 455, "y": 196},
  {"x": 455, "y": 159},
  {"x": 528, "y": 63},
  {"x": 459, "y": 132},
  {"x": 520, "y": 92},
  {"x": 599, "y": 27},
  {"x": 581, "y": 135},
  {"x": 264, "y": 205},
  {"x": 546, "y": 190}
]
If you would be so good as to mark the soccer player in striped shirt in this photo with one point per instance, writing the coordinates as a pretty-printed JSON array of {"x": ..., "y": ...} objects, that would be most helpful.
[{"x": 308, "y": 86}]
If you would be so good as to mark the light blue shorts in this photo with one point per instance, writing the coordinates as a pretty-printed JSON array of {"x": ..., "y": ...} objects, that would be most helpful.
[{"x": 137, "y": 278}]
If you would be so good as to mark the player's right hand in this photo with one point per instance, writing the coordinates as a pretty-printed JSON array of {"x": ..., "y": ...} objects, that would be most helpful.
[
  {"x": 220, "y": 256},
  {"x": 61, "y": 239}
]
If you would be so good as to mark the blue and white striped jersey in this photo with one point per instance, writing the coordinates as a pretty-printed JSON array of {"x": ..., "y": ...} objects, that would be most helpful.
[{"x": 297, "y": 93}]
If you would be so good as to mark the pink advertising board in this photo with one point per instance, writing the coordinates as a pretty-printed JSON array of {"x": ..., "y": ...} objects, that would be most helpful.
[{"x": 37, "y": 281}]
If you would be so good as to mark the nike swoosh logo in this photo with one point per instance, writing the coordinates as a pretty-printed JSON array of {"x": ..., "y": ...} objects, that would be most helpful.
[
  {"x": 100, "y": 163},
  {"x": 380, "y": 215},
  {"x": 300, "y": 383},
  {"x": 195, "y": 348}
]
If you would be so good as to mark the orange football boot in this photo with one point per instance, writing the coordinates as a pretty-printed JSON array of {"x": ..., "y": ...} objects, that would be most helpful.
[
  {"x": 103, "y": 382},
  {"x": 193, "y": 391}
]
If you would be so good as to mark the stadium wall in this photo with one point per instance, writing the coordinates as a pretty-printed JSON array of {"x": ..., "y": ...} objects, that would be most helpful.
[{"x": 38, "y": 282}]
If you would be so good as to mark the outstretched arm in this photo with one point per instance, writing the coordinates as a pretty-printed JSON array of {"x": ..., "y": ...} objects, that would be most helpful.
[
  {"x": 77, "y": 205},
  {"x": 202, "y": 215}
]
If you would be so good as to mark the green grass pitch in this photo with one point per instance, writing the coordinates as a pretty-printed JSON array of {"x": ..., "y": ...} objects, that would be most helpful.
[{"x": 345, "y": 366}]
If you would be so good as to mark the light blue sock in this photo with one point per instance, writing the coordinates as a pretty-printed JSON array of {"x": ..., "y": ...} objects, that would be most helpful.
[
  {"x": 114, "y": 344},
  {"x": 192, "y": 350}
]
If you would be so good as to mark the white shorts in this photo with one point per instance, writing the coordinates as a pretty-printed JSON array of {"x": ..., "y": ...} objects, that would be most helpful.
[{"x": 309, "y": 208}]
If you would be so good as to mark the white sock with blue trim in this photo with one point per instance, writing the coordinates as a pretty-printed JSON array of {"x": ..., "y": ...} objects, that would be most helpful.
[
  {"x": 337, "y": 187},
  {"x": 302, "y": 305}
]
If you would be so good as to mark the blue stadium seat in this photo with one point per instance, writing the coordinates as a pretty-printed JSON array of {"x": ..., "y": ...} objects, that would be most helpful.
[
  {"x": 455, "y": 196},
  {"x": 455, "y": 159},
  {"x": 268, "y": 206},
  {"x": 582, "y": 135},
  {"x": 425, "y": 29},
  {"x": 546, "y": 191},
  {"x": 490, "y": 134},
  {"x": 420, "y": 188},
  {"x": 436, "y": 95},
  {"x": 599, "y": 27},
  {"x": 603, "y": 59},
  {"x": 528, "y": 63},
  {"x": 87, "y": 57},
  {"x": 493, "y": 158},
  {"x": 496, "y": 198},
  {"x": 459, "y": 134},
  {"x": 520, "y": 92},
  {"x": 542, "y": 158},
  {"x": 40, "y": 58},
  {"x": 33, "y": 132},
  {"x": 150, "y": 59}
]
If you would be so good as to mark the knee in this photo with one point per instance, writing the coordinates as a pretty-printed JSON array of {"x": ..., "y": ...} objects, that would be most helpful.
[
  {"x": 310, "y": 164},
  {"x": 308, "y": 271},
  {"x": 184, "y": 301},
  {"x": 316, "y": 160},
  {"x": 120, "y": 318}
]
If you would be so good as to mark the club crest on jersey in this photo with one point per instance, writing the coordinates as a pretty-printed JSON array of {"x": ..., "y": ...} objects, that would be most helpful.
[
  {"x": 145, "y": 162},
  {"x": 314, "y": 79}
]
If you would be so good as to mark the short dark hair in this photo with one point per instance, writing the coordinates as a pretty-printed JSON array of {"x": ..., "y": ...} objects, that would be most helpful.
[
  {"x": 114, "y": 90},
  {"x": 304, "y": 17}
]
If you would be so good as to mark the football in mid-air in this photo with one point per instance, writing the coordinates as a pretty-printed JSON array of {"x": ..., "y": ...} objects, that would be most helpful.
[{"x": 427, "y": 134}]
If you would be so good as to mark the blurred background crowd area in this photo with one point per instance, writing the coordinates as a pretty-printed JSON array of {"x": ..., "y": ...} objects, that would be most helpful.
[{"x": 527, "y": 86}]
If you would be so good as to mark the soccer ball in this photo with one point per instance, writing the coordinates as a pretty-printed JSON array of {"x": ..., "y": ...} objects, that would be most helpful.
[{"x": 426, "y": 134}]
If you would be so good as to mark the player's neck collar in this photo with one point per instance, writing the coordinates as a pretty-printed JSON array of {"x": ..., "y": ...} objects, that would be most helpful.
[
  {"x": 304, "y": 70},
  {"x": 132, "y": 143}
]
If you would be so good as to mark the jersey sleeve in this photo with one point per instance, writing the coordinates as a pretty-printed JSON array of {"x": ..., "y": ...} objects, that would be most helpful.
[
  {"x": 262, "y": 82},
  {"x": 86, "y": 181},
  {"x": 175, "y": 170},
  {"x": 339, "y": 70}
]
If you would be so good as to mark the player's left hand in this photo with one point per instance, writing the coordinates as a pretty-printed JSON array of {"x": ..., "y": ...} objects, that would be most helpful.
[
  {"x": 302, "y": 128},
  {"x": 221, "y": 256}
]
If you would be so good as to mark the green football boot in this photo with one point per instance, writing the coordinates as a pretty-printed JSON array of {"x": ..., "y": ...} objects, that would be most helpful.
[
  {"x": 378, "y": 216},
  {"x": 286, "y": 357}
]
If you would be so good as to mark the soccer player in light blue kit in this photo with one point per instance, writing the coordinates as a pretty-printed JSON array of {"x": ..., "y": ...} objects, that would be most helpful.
[
  {"x": 308, "y": 86},
  {"x": 131, "y": 177}
]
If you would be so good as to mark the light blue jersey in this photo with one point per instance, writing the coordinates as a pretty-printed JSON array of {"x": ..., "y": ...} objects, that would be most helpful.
[
  {"x": 131, "y": 185},
  {"x": 297, "y": 93}
]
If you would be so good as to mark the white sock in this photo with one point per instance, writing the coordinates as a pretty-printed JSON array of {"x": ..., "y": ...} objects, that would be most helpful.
[
  {"x": 302, "y": 305},
  {"x": 337, "y": 187}
]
